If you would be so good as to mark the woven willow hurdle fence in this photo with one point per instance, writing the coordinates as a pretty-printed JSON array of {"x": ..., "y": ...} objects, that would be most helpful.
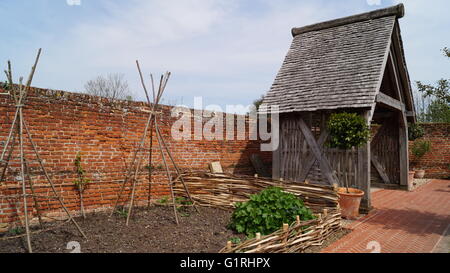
[{"x": 223, "y": 191}]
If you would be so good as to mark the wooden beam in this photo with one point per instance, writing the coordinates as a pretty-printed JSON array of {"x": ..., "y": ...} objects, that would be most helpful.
[
  {"x": 390, "y": 102},
  {"x": 325, "y": 166},
  {"x": 402, "y": 69},
  {"x": 276, "y": 158},
  {"x": 410, "y": 114},
  {"x": 403, "y": 125},
  {"x": 397, "y": 11},
  {"x": 380, "y": 169},
  {"x": 398, "y": 85},
  {"x": 403, "y": 152},
  {"x": 310, "y": 160},
  {"x": 364, "y": 171}
]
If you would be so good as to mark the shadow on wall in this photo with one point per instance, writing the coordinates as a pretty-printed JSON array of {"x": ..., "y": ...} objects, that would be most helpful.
[{"x": 244, "y": 165}]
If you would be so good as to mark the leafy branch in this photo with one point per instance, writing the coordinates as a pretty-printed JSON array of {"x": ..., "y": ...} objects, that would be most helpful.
[{"x": 82, "y": 182}]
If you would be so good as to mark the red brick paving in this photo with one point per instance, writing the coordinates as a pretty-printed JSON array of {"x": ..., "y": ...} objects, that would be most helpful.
[{"x": 401, "y": 222}]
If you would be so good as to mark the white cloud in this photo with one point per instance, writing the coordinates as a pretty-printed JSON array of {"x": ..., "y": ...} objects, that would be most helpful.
[
  {"x": 196, "y": 38},
  {"x": 228, "y": 50}
]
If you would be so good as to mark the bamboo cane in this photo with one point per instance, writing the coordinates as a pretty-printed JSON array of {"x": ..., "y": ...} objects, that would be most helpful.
[
  {"x": 133, "y": 191},
  {"x": 36, "y": 204},
  {"x": 22, "y": 174},
  {"x": 50, "y": 181}
]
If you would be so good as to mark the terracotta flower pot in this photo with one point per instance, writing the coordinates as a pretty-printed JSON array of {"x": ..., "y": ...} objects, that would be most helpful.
[
  {"x": 349, "y": 202},
  {"x": 419, "y": 174}
]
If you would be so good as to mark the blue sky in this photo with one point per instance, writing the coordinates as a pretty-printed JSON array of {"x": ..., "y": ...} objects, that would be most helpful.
[{"x": 226, "y": 51}]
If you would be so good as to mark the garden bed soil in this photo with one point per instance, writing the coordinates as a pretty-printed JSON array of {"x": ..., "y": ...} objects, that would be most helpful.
[{"x": 150, "y": 231}]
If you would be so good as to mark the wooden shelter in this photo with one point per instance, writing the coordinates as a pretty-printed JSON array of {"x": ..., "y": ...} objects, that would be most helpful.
[{"x": 352, "y": 64}]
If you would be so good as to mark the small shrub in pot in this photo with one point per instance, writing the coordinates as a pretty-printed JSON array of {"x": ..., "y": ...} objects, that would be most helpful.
[{"x": 347, "y": 131}]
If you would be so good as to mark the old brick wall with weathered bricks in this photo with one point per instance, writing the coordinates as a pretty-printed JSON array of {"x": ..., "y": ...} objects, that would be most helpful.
[
  {"x": 106, "y": 134},
  {"x": 436, "y": 162}
]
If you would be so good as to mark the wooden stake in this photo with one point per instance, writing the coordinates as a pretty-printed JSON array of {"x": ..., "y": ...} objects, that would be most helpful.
[
  {"x": 22, "y": 174},
  {"x": 19, "y": 127},
  {"x": 169, "y": 177},
  {"x": 5, "y": 167},
  {"x": 286, "y": 231},
  {"x": 52, "y": 186},
  {"x": 150, "y": 120},
  {"x": 36, "y": 204},
  {"x": 258, "y": 237},
  {"x": 229, "y": 245},
  {"x": 180, "y": 175}
]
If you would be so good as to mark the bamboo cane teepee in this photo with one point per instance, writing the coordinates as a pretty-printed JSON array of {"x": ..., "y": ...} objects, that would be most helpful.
[
  {"x": 19, "y": 129},
  {"x": 152, "y": 124}
]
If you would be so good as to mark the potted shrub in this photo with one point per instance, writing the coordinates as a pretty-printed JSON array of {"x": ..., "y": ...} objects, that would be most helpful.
[
  {"x": 419, "y": 149},
  {"x": 347, "y": 131}
]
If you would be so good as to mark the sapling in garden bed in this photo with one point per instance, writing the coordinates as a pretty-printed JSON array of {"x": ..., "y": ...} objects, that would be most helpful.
[{"x": 81, "y": 183}]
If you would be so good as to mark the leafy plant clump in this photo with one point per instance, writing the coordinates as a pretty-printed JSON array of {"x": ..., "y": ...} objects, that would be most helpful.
[
  {"x": 347, "y": 130},
  {"x": 267, "y": 211},
  {"x": 415, "y": 131},
  {"x": 421, "y": 147},
  {"x": 4, "y": 86},
  {"x": 122, "y": 212}
]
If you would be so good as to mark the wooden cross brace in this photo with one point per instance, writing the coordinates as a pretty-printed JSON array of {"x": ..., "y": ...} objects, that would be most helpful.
[{"x": 317, "y": 154}]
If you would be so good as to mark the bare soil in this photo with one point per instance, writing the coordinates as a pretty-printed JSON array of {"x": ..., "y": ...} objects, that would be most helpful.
[{"x": 150, "y": 231}]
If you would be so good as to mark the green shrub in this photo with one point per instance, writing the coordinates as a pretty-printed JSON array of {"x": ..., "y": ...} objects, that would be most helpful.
[
  {"x": 415, "y": 131},
  {"x": 347, "y": 130},
  {"x": 267, "y": 211},
  {"x": 4, "y": 86},
  {"x": 421, "y": 147}
]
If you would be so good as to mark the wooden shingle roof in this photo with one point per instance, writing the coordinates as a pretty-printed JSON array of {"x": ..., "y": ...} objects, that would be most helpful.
[{"x": 335, "y": 64}]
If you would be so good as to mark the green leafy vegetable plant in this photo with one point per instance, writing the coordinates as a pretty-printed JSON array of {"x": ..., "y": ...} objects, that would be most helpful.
[
  {"x": 122, "y": 212},
  {"x": 163, "y": 200},
  {"x": 267, "y": 211}
]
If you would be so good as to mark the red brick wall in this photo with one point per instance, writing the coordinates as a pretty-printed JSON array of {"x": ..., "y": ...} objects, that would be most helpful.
[
  {"x": 63, "y": 124},
  {"x": 437, "y": 161}
]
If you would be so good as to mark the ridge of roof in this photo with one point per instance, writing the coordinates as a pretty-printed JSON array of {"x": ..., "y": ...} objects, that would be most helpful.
[{"x": 398, "y": 11}]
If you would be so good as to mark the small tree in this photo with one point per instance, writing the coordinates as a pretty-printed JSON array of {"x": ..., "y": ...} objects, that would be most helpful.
[
  {"x": 81, "y": 182},
  {"x": 415, "y": 131},
  {"x": 438, "y": 95},
  {"x": 420, "y": 148},
  {"x": 347, "y": 130},
  {"x": 113, "y": 86},
  {"x": 257, "y": 103}
]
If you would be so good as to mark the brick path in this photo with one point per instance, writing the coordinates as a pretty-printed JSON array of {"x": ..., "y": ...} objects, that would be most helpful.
[{"x": 401, "y": 221}]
